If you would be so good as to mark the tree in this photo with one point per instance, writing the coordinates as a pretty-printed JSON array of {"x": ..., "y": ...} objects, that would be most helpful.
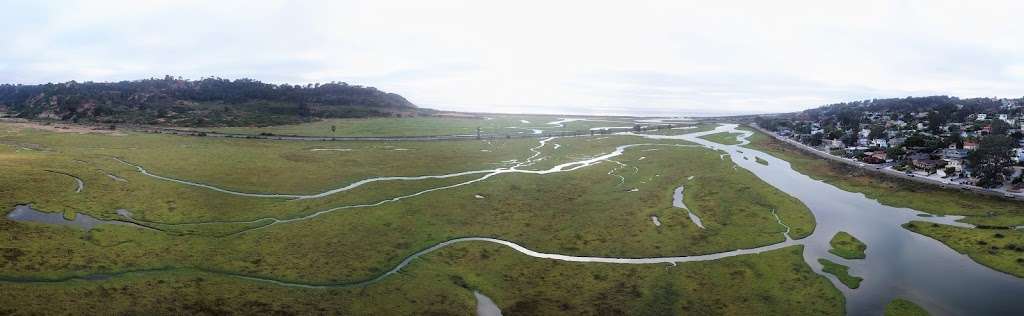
[
  {"x": 936, "y": 119},
  {"x": 849, "y": 139},
  {"x": 876, "y": 132},
  {"x": 954, "y": 139},
  {"x": 991, "y": 158},
  {"x": 1000, "y": 127},
  {"x": 814, "y": 140}
]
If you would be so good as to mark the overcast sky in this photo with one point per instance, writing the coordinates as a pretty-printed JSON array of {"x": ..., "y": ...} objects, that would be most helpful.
[{"x": 580, "y": 57}]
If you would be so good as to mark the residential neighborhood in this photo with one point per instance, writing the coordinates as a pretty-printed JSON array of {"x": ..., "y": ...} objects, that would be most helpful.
[{"x": 978, "y": 142}]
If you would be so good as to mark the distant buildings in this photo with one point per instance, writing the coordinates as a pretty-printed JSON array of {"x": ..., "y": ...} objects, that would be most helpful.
[{"x": 932, "y": 135}]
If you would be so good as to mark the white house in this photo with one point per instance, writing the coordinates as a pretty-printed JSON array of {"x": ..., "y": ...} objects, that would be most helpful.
[
  {"x": 834, "y": 144},
  {"x": 1005, "y": 118},
  {"x": 956, "y": 164},
  {"x": 981, "y": 117},
  {"x": 1018, "y": 154}
]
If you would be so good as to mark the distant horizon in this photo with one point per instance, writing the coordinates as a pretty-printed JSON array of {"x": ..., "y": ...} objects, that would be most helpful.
[
  {"x": 642, "y": 58},
  {"x": 572, "y": 110}
]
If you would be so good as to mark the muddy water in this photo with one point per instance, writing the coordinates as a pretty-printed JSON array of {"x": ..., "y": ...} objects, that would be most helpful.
[
  {"x": 485, "y": 306},
  {"x": 899, "y": 263},
  {"x": 677, "y": 201},
  {"x": 25, "y": 213}
]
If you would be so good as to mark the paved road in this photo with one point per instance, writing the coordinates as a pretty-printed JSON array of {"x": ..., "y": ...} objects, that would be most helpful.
[{"x": 889, "y": 172}]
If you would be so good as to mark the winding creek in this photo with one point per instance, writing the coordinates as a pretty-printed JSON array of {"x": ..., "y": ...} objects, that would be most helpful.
[
  {"x": 79, "y": 184},
  {"x": 899, "y": 263},
  {"x": 677, "y": 201}
]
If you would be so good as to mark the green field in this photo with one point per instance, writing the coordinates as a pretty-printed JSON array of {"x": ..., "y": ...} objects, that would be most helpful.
[
  {"x": 776, "y": 282},
  {"x": 723, "y": 138},
  {"x": 846, "y": 246},
  {"x": 1000, "y": 249},
  {"x": 902, "y": 307},
  {"x": 841, "y": 272},
  {"x": 206, "y": 237},
  {"x": 686, "y": 129},
  {"x": 429, "y": 126}
]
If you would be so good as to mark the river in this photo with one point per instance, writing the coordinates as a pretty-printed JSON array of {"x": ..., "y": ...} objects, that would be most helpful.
[{"x": 899, "y": 263}]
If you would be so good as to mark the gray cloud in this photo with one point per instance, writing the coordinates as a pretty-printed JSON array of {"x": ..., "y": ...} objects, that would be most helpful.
[{"x": 644, "y": 57}]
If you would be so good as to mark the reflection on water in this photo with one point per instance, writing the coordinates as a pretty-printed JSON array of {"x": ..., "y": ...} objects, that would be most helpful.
[
  {"x": 900, "y": 263},
  {"x": 677, "y": 201},
  {"x": 25, "y": 213}
]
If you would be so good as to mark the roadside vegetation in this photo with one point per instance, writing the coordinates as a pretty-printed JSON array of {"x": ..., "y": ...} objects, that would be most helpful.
[
  {"x": 841, "y": 272},
  {"x": 902, "y": 307},
  {"x": 846, "y": 246}
]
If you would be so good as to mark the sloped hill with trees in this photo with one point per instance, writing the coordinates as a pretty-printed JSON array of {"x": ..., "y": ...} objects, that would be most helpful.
[{"x": 207, "y": 102}]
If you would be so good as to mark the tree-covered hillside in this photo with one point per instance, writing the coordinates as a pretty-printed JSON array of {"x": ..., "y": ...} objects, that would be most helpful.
[{"x": 206, "y": 102}]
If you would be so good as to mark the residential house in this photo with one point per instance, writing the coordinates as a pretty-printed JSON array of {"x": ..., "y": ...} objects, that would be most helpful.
[
  {"x": 928, "y": 164},
  {"x": 954, "y": 158},
  {"x": 954, "y": 153},
  {"x": 1006, "y": 118},
  {"x": 875, "y": 158},
  {"x": 956, "y": 164},
  {"x": 970, "y": 145},
  {"x": 897, "y": 141},
  {"x": 834, "y": 144},
  {"x": 897, "y": 123}
]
